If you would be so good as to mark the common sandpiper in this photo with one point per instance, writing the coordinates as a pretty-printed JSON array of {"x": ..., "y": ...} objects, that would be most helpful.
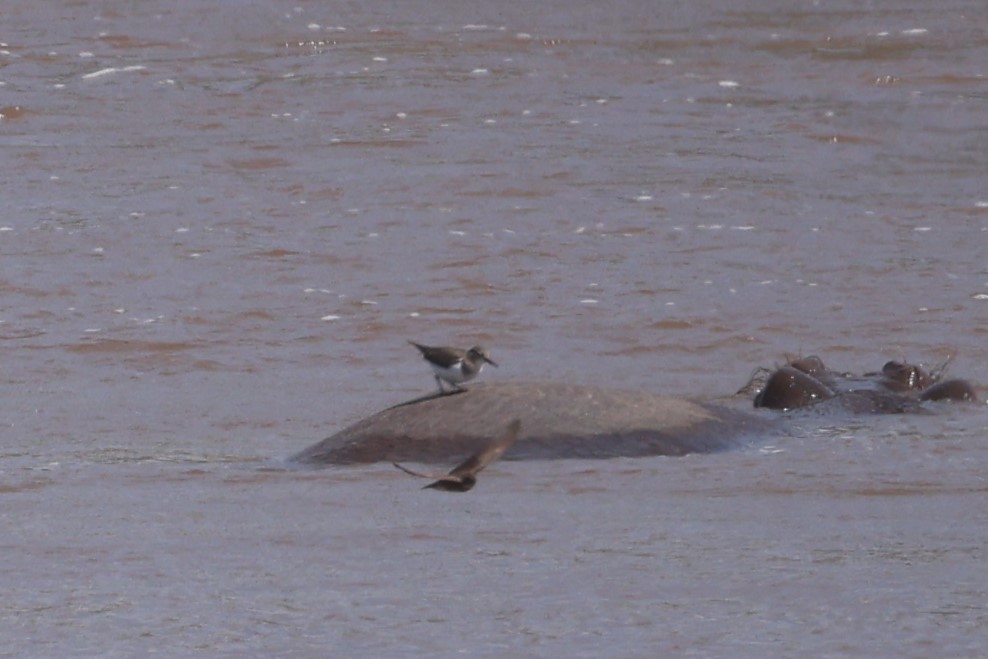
[{"x": 453, "y": 365}]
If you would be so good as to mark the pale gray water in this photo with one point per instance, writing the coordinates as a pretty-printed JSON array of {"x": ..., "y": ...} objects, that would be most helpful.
[{"x": 222, "y": 220}]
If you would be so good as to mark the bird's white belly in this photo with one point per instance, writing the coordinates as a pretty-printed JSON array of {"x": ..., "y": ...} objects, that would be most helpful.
[{"x": 454, "y": 374}]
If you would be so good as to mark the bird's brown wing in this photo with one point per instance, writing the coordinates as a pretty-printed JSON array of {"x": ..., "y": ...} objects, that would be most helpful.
[
  {"x": 444, "y": 357},
  {"x": 419, "y": 473},
  {"x": 472, "y": 465}
]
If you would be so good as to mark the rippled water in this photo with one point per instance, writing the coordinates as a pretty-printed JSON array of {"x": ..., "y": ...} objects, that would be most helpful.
[{"x": 222, "y": 221}]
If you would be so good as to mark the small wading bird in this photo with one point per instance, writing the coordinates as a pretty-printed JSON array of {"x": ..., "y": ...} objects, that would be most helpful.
[
  {"x": 463, "y": 477},
  {"x": 453, "y": 365}
]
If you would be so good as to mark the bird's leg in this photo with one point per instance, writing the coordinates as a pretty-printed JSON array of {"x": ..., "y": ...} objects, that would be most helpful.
[{"x": 439, "y": 381}]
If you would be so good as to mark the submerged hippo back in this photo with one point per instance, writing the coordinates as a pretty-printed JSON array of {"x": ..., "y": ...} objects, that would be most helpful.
[{"x": 557, "y": 420}]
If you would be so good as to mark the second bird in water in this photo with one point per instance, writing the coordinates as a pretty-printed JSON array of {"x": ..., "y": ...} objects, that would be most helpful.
[{"x": 463, "y": 477}]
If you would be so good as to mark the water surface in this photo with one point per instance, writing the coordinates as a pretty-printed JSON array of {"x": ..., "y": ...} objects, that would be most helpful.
[{"x": 222, "y": 221}]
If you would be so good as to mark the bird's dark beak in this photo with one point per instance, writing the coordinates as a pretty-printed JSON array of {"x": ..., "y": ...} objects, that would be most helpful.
[{"x": 490, "y": 361}]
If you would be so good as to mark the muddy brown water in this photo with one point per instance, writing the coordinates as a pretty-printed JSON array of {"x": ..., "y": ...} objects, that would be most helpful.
[{"x": 222, "y": 220}]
